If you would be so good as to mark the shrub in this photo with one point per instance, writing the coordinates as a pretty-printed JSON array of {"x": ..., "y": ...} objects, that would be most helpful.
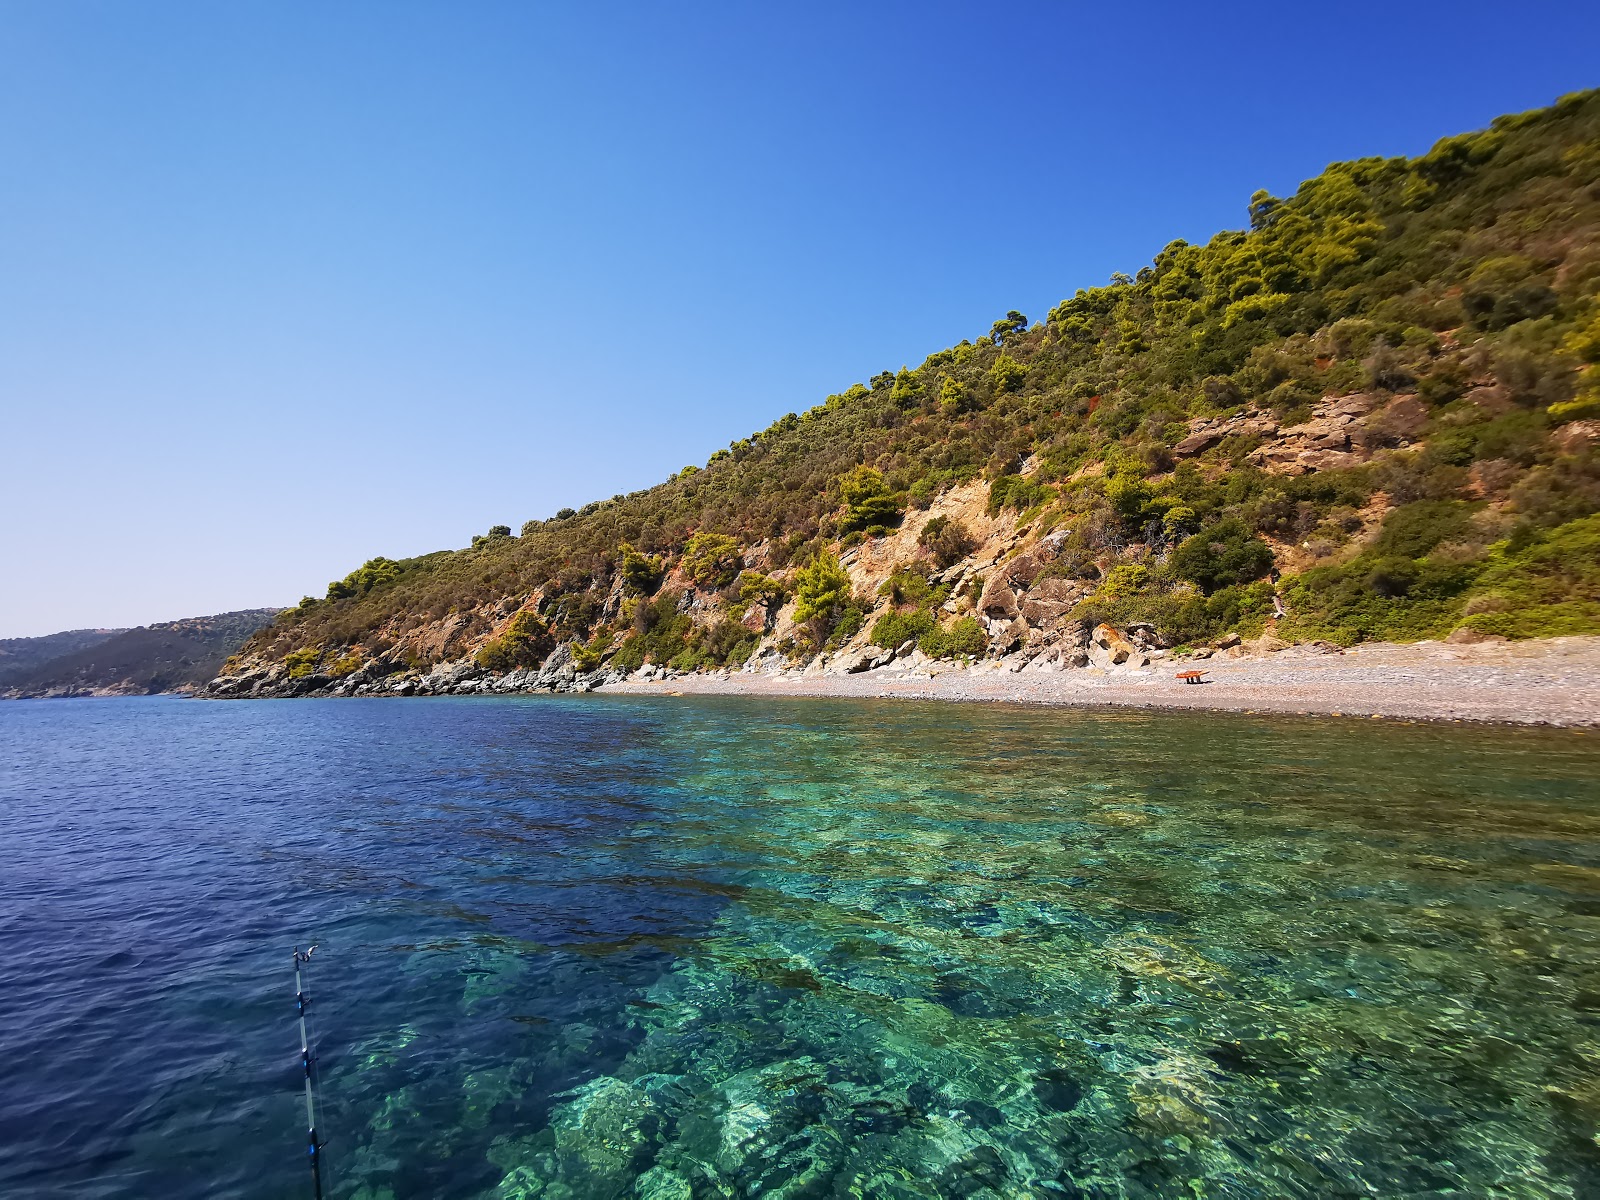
[
  {"x": 870, "y": 505},
  {"x": 588, "y": 657},
  {"x": 1016, "y": 491},
  {"x": 952, "y": 396},
  {"x": 363, "y": 579},
  {"x": 906, "y": 586},
  {"x": 822, "y": 589},
  {"x": 641, "y": 574},
  {"x": 756, "y": 588},
  {"x": 907, "y": 389},
  {"x": 947, "y": 540},
  {"x": 525, "y": 642},
  {"x": 965, "y": 636},
  {"x": 1545, "y": 589},
  {"x": 1221, "y": 555},
  {"x": 302, "y": 662},
  {"x": 347, "y": 665},
  {"x": 1584, "y": 408},
  {"x": 1412, "y": 530},
  {"x": 894, "y": 629},
  {"x": 711, "y": 559},
  {"x": 1007, "y": 374}
]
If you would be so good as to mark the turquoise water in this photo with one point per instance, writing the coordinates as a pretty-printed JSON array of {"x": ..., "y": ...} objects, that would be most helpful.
[{"x": 590, "y": 947}]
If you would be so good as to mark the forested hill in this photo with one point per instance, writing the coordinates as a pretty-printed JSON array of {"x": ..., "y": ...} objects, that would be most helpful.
[
  {"x": 171, "y": 656},
  {"x": 1370, "y": 414},
  {"x": 19, "y": 656}
]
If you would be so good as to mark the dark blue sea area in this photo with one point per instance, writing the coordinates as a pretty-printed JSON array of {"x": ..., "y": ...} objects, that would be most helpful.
[{"x": 697, "y": 947}]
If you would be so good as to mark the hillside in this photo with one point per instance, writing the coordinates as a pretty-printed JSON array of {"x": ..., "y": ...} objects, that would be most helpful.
[
  {"x": 1372, "y": 414},
  {"x": 21, "y": 656},
  {"x": 172, "y": 656}
]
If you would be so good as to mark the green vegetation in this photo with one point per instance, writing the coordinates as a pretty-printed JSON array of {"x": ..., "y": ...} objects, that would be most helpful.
[
  {"x": 372, "y": 573},
  {"x": 302, "y": 662},
  {"x": 523, "y": 643},
  {"x": 822, "y": 595},
  {"x": 711, "y": 560},
  {"x": 1222, "y": 555},
  {"x": 1465, "y": 282},
  {"x": 641, "y": 574},
  {"x": 870, "y": 505},
  {"x": 946, "y": 540},
  {"x": 962, "y": 638}
]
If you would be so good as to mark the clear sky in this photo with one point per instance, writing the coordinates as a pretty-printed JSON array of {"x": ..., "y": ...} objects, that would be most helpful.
[{"x": 284, "y": 286}]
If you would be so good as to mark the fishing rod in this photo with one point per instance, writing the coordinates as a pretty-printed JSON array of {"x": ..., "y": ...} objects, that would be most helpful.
[{"x": 313, "y": 1145}]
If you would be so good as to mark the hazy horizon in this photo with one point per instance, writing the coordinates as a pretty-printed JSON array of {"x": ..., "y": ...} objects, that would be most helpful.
[{"x": 286, "y": 289}]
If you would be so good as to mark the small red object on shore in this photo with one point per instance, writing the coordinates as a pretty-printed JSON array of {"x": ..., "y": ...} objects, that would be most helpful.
[{"x": 1192, "y": 676}]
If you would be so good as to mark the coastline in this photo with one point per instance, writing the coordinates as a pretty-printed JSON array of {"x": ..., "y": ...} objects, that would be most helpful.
[{"x": 1553, "y": 681}]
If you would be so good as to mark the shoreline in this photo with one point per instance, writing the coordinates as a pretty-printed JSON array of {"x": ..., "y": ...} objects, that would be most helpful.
[{"x": 1550, "y": 682}]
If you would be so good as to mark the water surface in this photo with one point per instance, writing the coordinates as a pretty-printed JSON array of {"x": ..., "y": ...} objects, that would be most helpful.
[{"x": 699, "y": 947}]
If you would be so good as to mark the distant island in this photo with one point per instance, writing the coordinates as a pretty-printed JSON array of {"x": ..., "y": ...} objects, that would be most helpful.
[
  {"x": 174, "y": 656},
  {"x": 1372, "y": 415}
]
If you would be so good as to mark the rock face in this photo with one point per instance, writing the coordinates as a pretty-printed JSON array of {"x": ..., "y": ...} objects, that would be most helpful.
[
  {"x": 1206, "y": 432},
  {"x": 1342, "y": 431}
]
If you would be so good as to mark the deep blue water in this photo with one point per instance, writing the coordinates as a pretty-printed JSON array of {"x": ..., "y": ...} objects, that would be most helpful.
[{"x": 693, "y": 947}]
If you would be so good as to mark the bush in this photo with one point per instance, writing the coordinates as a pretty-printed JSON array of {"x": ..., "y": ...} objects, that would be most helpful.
[
  {"x": 1222, "y": 555},
  {"x": 952, "y": 396},
  {"x": 363, "y": 579},
  {"x": 946, "y": 540},
  {"x": 1548, "y": 588},
  {"x": 641, "y": 574},
  {"x": 1412, "y": 530},
  {"x": 966, "y": 636},
  {"x": 1018, "y": 492},
  {"x": 302, "y": 662},
  {"x": 587, "y": 658},
  {"x": 525, "y": 642},
  {"x": 870, "y": 505},
  {"x": 347, "y": 665},
  {"x": 1007, "y": 374},
  {"x": 907, "y": 389},
  {"x": 756, "y": 588},
  {"x": 894, "y": 629},
  {"x": 822, "y": 590},
  {"x": 711, "y": 559}
]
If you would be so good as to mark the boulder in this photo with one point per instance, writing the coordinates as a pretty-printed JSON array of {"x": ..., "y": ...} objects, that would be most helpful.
[
  {"x": 1054, "y": 588},
  {"x": 1007, "y": 638},
  {"x": 1042, "y": 614},
  {"x": 1199, "y": 441},
  {"x": 1268, "y": 644},
  {"x": 1022, "y": 570},
  {"x": 1227, "y": 641},
  {"x": 1145, "y": 636},
  {"x": 1403, "y": 418},
  {"x": 855, "y": 662},
  {"x": 1116, "y": 647},
  {"x": 998, "y": 600}
]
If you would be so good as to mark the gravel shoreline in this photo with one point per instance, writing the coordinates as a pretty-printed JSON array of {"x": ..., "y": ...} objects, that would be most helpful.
[{"x": 1553, "y": 681}]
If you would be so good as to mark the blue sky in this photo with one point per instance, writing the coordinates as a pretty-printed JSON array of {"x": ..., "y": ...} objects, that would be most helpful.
[{"x": 284, "y": 286}]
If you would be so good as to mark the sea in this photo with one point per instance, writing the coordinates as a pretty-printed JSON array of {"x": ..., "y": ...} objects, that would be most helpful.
[{"x": 694, "y": 947}]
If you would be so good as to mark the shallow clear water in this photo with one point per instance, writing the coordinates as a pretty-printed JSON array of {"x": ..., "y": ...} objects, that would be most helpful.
[{"x": 597, "y": 947}]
